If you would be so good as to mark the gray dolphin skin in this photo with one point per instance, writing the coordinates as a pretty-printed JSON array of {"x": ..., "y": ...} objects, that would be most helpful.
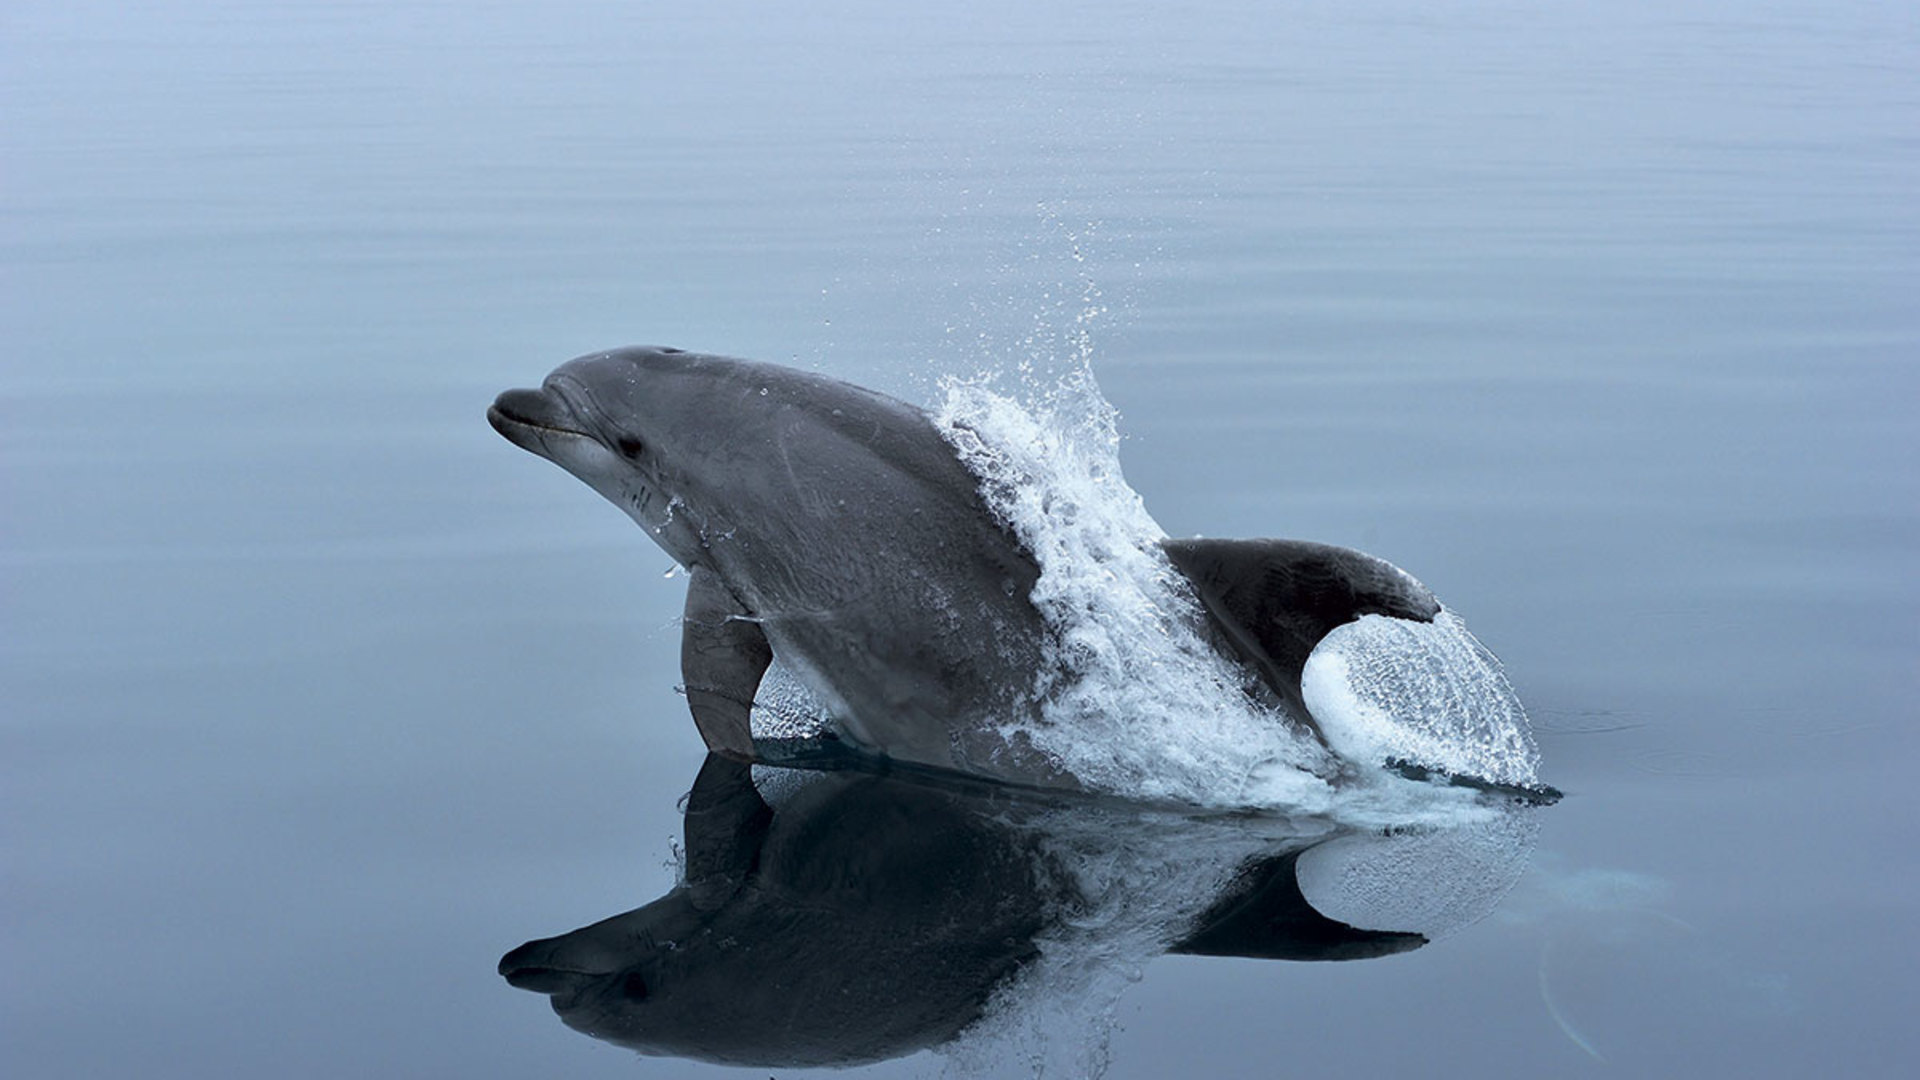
[
  {"x": 820, "y": 522},
  {"x": 833, "y": 528}
]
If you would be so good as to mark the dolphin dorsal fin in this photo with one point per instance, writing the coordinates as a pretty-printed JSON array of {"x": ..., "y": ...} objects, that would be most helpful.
[{"x": 1273, "y": 600}]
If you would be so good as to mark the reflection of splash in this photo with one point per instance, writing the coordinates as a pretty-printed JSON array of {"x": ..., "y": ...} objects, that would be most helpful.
[
  {"x": 1138, "y": 881},
  {"x": 1134, "y": 884},
  {"x": 1428, "y": 881}
]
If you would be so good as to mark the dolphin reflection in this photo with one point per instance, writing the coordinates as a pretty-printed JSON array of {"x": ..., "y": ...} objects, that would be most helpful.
[{"x": 845, "y": 917}]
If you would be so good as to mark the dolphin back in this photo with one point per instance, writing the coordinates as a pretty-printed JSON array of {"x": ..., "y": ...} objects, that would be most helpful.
[{"x": 1270, "y": 602}]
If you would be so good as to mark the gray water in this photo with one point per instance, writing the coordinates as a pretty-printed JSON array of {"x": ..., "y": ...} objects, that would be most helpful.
[{"x": 319, "y": 696}]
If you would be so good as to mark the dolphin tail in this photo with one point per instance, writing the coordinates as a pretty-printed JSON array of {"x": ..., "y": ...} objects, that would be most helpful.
[{"x": 1269, "y": 602}]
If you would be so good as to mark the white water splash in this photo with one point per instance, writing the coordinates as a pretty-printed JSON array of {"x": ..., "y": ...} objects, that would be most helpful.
[
  {"x": 785, "y": 707},
  {"x": 1424, "y": 692},
  {"x": 1135, "y": 700}
]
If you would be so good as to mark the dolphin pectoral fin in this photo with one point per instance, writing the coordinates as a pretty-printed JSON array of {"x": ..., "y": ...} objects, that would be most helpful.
[
  {"x": 1271, "y": 601},
  {"x": 726, "y": 824},
  {"x": 723, "y": 654}
]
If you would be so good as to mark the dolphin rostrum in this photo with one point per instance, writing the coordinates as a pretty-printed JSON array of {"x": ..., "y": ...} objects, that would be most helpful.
[{"x": 833, "y": 528}]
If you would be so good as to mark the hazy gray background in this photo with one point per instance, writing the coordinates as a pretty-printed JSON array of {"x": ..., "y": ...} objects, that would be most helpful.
[{"x": 318, "y": 696}]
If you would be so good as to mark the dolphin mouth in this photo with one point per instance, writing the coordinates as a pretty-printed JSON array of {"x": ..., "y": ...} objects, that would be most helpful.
[
  {"x": 543, "y": 980},
  {"x": 546, "y": 967},
  {"x": 558, "y": 982},
  {"x": 527, "y": 418}
]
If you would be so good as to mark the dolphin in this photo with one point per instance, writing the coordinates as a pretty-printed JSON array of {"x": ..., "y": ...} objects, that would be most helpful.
[{"x": 833, "y": 528}]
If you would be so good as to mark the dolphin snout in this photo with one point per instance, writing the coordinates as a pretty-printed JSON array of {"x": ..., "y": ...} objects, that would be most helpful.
[
  {"x": 544, "y": 980},
  {"x": 541, "y": 421},
  {"x": 574, "y": 953},
  {"x": 532, "y": 408},
  {"x": 562, "y": 966}
]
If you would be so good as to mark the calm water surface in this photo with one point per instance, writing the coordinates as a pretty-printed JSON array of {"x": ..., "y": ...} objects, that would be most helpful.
[{"x": 319, "y": 696}]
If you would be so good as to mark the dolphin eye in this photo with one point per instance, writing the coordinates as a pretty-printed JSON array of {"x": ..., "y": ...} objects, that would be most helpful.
[
  {"x": 634, "y": 987},
  {"x": 628, "y": 446}
]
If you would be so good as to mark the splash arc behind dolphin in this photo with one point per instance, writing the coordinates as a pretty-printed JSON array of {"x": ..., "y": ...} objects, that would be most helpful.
[{"x": 833, "y": 528}]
